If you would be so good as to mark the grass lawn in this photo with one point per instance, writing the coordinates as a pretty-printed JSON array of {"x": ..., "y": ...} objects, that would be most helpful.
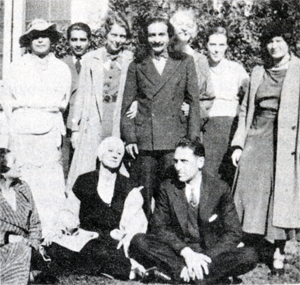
[{"x": 260, "y": 275}]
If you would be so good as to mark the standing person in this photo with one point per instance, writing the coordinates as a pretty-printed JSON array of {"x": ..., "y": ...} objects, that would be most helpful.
[
  {"x": 195, "y": 231},
  {"x": 99, "y": 95},
  {"x": 161, "y": 81},
  {"x": 267, "y": 151},
  {"x": 78, "y": 36},
  {"x": 20, "y": 227},
  {"x": 37, "y": 91},
  {"x": 230, "y": 82},
  {"x": 185, "y": 26}
]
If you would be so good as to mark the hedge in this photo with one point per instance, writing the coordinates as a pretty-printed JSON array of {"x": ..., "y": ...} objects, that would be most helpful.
[{"x": 244, "y": 29}]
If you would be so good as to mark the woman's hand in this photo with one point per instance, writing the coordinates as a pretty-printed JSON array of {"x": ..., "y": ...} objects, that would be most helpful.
[
  {"x": 185, "y": 108},
  {"x": 236, "y": 155},
  {"x": 132, "y": 112}
]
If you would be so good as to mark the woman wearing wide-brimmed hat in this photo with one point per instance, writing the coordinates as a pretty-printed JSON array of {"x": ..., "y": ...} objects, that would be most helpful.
[{"x": 38, "y": 89}]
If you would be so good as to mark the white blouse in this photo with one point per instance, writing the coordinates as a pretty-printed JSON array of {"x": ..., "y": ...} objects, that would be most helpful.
[
  {"x": 37, "y": 91},
  {"x": 228, "y": 77}
]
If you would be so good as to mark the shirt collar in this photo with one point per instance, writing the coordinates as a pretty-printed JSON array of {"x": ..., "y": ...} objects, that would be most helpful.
[{"x": 164, "y": 55}]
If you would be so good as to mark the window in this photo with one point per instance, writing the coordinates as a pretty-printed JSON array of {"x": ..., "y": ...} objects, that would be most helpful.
[
  {"x": 1, "y": 35},
  {"x": 55, "y": 11}
]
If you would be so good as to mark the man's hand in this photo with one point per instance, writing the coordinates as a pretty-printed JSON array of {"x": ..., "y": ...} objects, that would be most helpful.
[
  {"x": 196, "y": 263},
  {"x": 185, "y": 108},
  {"x": 74, "y": 139},
  {"x": 132, "y": 112},
  {"x": 236, "y": 155},
  {"x": 132, "y": 149},
  {"x": 184, "y": 274}
]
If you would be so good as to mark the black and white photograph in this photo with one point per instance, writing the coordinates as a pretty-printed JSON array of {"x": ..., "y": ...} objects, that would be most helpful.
[{"x": 149, "y": 142}]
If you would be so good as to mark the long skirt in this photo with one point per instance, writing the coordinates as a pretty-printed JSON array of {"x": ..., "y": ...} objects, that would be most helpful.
[
  {"x": 254, "y": 181},
  {"x": 39, "y": 157},
  {"x": 217, "y": 138}
]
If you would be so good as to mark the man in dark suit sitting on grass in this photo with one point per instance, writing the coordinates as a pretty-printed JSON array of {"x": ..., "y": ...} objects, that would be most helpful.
[{"x": 194, "y": 232}]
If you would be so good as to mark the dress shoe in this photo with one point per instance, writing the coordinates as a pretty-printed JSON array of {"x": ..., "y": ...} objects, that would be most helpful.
[{"x": 153, "y": 275}]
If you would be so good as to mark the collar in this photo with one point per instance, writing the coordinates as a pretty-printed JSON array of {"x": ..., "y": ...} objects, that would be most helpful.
[{"x": 164, "y": 55}]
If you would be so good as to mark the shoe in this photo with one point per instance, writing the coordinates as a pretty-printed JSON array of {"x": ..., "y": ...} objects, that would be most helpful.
[
  {"x": 153, "y": 275},
  {"x": 278, "y": 262}
]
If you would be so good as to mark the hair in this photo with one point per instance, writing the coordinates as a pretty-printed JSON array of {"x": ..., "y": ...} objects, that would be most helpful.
[
  {"x": 271, "y": 30},
  {"x": 79, "y": 27},
  {"x": 216, "y": 30},
  {"x": 276, "y": 29},
  {"x": 117, "y": 18},
  {"x": 144, "y": 50},
  {"x": 182, "y": 14},
  {"x": 3, "y": 161},
  {"x": 194, "y": 144},
  {"x": 158, "y": 17}
]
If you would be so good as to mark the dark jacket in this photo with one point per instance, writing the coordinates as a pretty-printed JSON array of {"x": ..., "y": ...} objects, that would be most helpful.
[
  {"x": 160, "y": 123},
  {"x": 219, "y": 225}
]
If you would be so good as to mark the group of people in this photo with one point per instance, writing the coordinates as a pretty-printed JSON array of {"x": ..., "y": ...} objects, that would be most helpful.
[{"x": 173, "y": 161}]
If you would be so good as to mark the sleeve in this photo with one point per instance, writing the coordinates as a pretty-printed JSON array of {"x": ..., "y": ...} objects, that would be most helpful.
[
  {"x": 161, "y": 223},
  {"x": 241, "y": 132},
  {"x": 192, "y": 97},
  {"x": 207, "y": 93},
  {"x": 83, "y": 91},
  {"x": 67, "y": 88},
  {"x": 232, "y": 232},
  {"x": 243, "y": 83},
  {"x": 130, "y": 95},
  {"x": 35, "y": 229}
]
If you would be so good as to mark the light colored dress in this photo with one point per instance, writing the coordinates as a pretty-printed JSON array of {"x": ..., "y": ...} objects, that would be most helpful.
[
  {"x": 97, "y": 107},
  {"x": 24, "y": 221},
  {"x": 38, "y": 91}
]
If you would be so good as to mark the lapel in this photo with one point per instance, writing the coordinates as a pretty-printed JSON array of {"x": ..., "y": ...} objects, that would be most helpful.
[
  {"x": 69, "y": 61},
  {"x": 97, "y": 75},
  {"x": 180, "y": 205},
  {"x": 158, "y": 81},
  {"x": 205, "y": 192}
]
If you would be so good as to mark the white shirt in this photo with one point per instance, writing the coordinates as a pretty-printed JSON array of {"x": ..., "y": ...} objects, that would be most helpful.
[{"x": 160, "y": 64}]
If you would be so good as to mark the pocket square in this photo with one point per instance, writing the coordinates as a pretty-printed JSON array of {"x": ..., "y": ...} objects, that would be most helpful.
[{"x": 212, "y": 218}]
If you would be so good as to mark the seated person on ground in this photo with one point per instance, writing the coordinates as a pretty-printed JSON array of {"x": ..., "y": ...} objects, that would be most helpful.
[
  {"x": 102, "y": 194},
  {"x": 20, "y": 227},
  {"x": 194, "y": 232}
]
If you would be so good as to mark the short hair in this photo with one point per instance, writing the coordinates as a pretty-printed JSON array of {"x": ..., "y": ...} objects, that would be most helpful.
[
  {"x": 119, "y": 19},
  {"x": 194, "y": 144},
  {"x": 183, "y": 14},
  {"x": 216, "y": 30},
  {"x": 3, "y": 161},
  {"x": 158, "y": 17},
  {"x": 79, "y": 26}
]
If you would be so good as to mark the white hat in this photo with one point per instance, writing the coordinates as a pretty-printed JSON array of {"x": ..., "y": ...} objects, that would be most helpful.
[{"x": 39, "y": 25}]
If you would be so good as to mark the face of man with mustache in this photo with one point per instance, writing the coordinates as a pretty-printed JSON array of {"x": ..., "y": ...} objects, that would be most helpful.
[
  {"x": 79, "y": 42},
  {"x": 158, "y": 37}
]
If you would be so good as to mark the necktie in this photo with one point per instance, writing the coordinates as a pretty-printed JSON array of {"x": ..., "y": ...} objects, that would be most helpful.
[
  {"x": 193, "y": 200},
  {"x": 78, "y": 65}
]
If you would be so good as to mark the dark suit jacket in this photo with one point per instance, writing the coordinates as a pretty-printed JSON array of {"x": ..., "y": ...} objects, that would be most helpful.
[
  {"x": 94, "y": 214},
  {"x": 160, "y": 123},
  {"x": 75, "y": 78},
  {"x": 169, "y": 221}
]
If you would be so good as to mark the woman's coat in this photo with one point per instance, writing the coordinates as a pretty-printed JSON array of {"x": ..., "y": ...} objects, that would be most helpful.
[
  {"x": 286, "y": 212},
  {"x": 88, "y": 111}
]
